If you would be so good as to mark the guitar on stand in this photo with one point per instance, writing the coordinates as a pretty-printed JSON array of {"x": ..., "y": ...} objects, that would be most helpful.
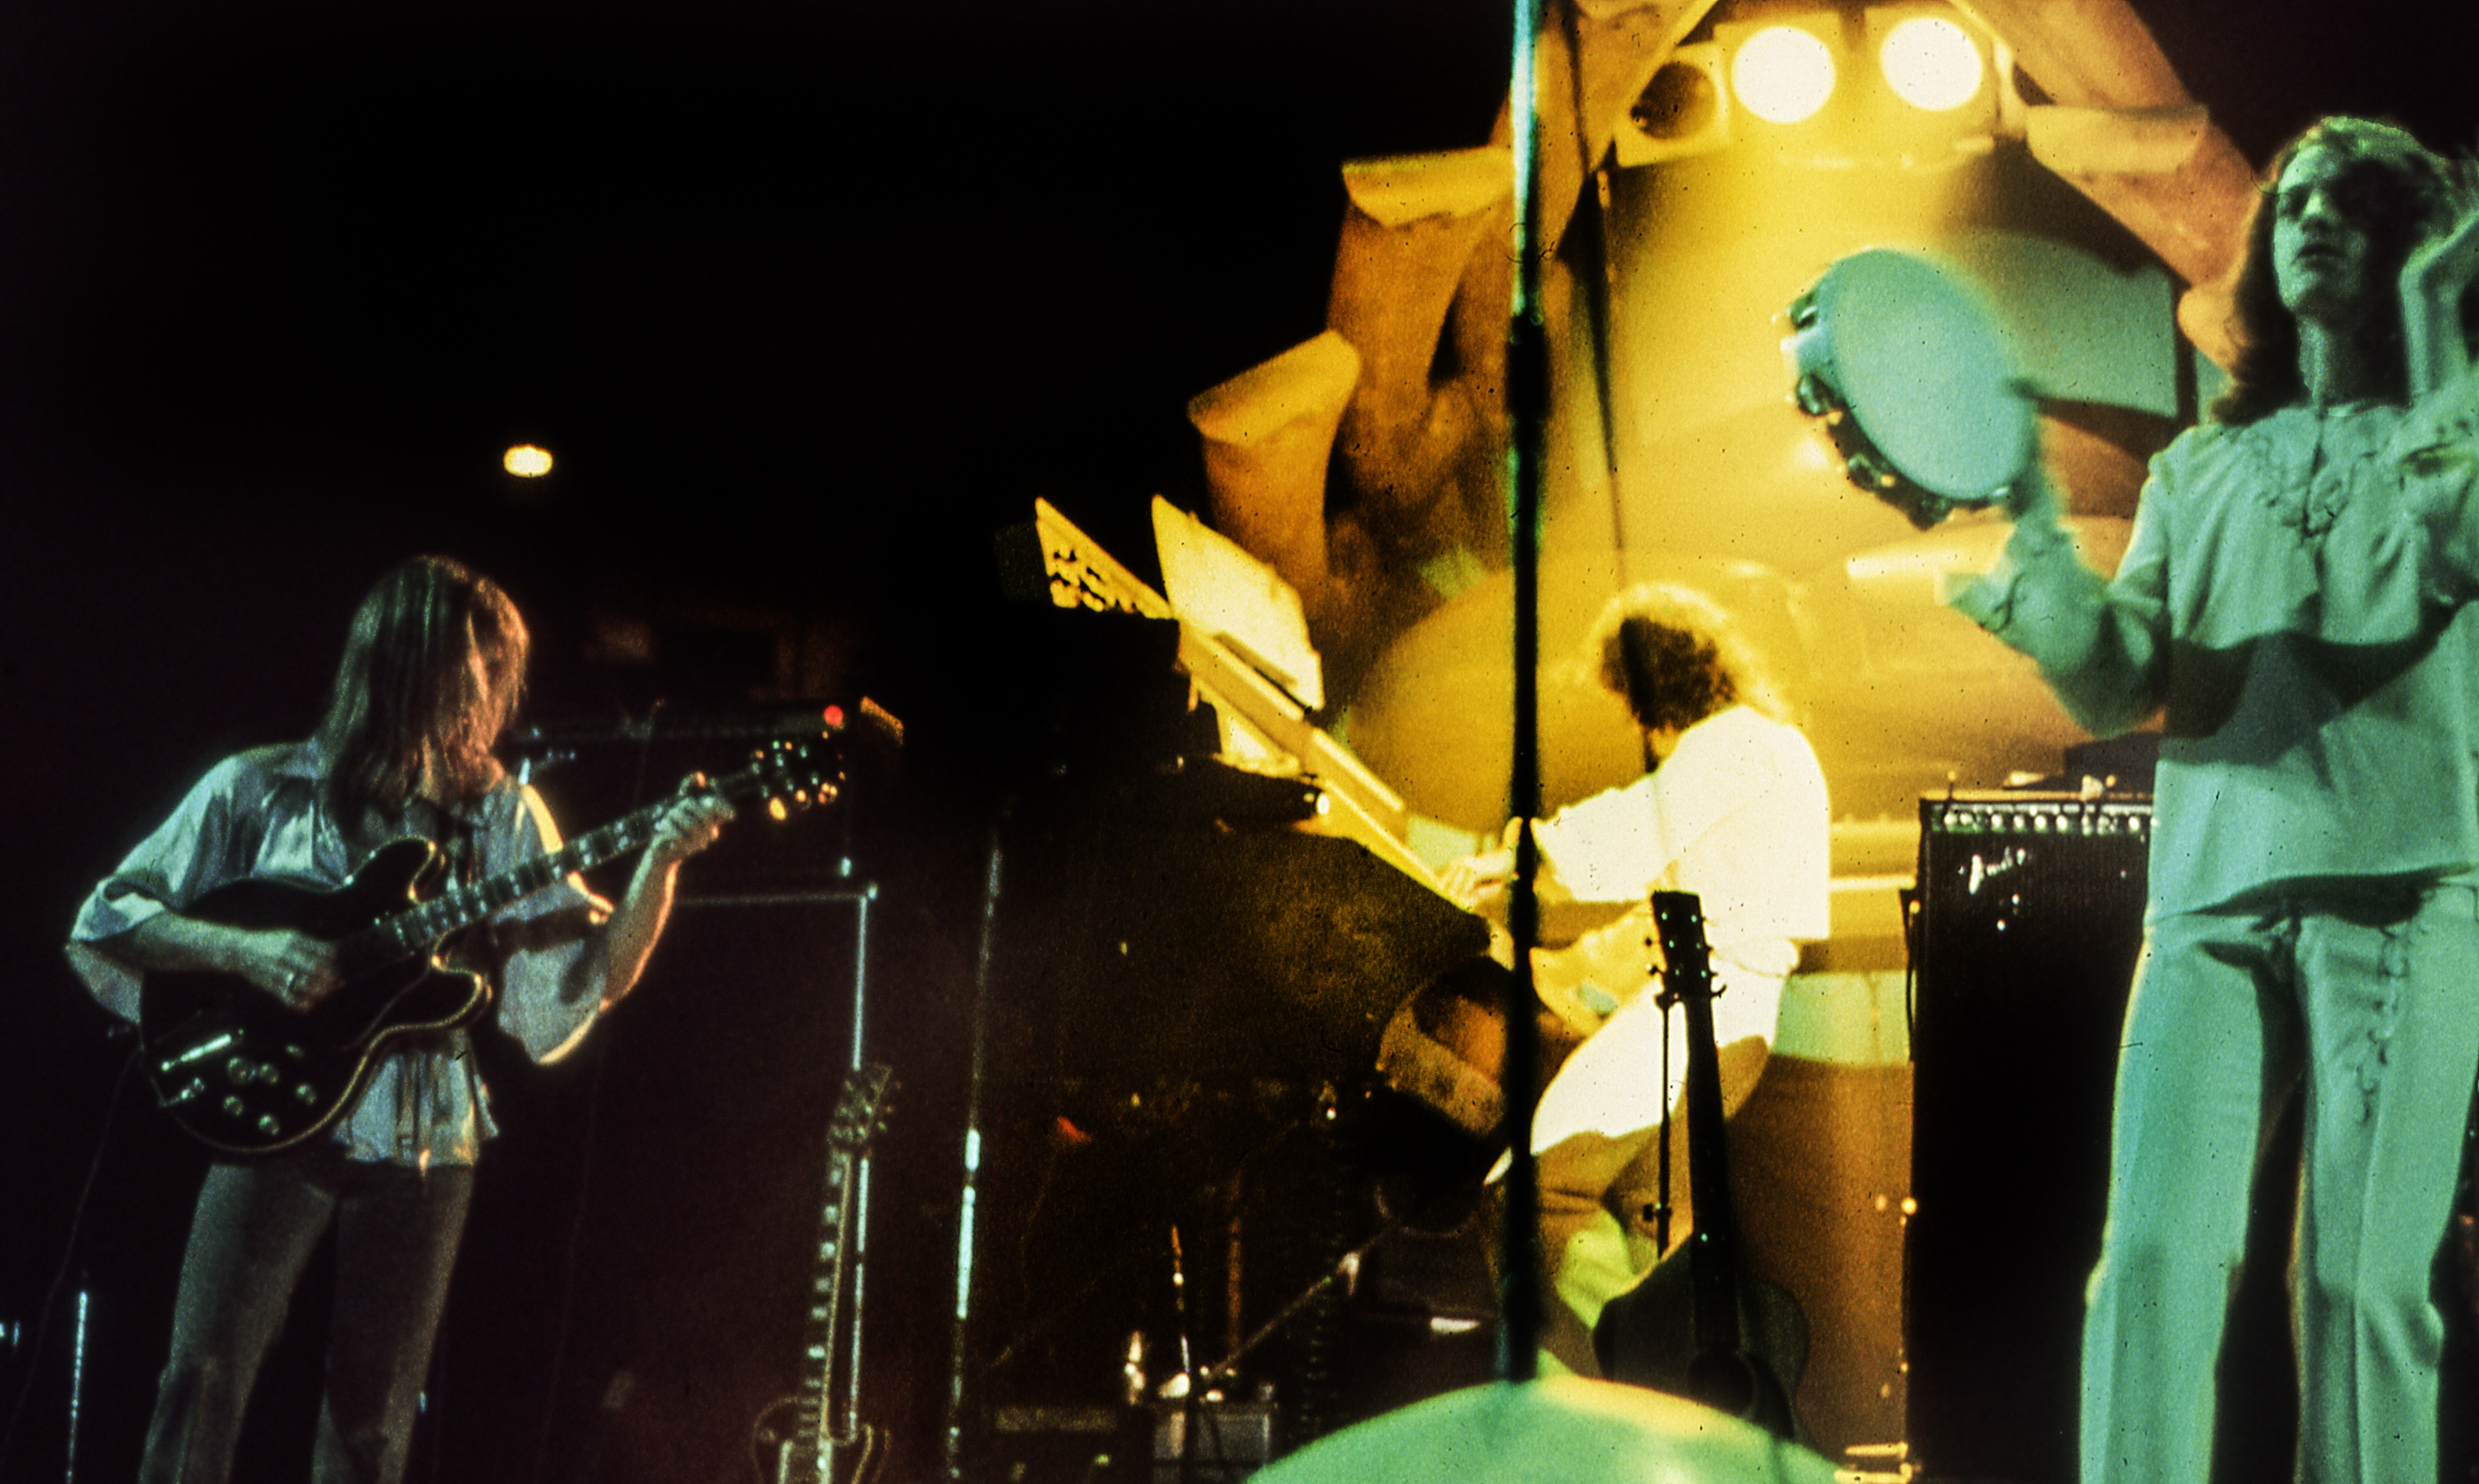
[
  {"x": 815, "y": 1450},
  {"x": 1744, "y": 1340}
]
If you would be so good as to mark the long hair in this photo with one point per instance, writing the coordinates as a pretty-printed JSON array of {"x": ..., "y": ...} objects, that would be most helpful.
[
  {"x": 1676, "y": 658},
  {"x": 2394, "y": 191},
  {"x": 406, "y": 689}
]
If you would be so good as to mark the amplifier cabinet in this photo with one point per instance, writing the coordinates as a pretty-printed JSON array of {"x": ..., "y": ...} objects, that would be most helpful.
[{"x": 2030, "y": 922}]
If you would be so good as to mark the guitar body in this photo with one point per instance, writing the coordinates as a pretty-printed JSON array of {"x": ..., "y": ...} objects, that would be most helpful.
[
  {"x": 1646, "y": 1337},
  {"x": 247, "y": 1074}
]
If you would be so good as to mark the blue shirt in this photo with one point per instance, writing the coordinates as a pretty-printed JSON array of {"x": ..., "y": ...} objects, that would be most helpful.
[
  {"x": 262, "y": 813},
  {"x": 2293, "y": 606}
]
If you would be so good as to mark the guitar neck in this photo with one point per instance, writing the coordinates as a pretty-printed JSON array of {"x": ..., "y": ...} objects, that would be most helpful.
[
  {"x": 457, "y": 907},
  {"x": 816, "y": 1424},
  {"x": 1712, "y": 1252},
  {"x": 816, "y": 1433}
]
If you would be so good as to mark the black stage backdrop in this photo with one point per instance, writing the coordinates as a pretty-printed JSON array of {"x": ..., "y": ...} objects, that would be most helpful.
[{"x": 807, "y": 299}]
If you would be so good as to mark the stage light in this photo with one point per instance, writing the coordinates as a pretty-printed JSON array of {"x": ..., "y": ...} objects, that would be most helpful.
[
  {"x": 1683, "y": 110},
  {"x": 527, "y": 462},
  {"x": 1681, "y": 100},
  {"x": 1930, "y": 63},
  {"x": 1783, "y": 74}
]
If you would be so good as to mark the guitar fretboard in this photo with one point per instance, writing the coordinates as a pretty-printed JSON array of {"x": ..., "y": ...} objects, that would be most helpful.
[
  {"x": 854, "y": 1123},
  {"x": 414, "y": 930},
  {"x": 461, "y": 907}
]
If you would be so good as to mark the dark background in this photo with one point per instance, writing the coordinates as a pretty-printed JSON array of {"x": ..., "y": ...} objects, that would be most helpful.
[{"x": 807, "y": 300}]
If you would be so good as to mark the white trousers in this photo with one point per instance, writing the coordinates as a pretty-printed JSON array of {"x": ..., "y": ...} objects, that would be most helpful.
[
  {"x": 2376, "y": 1004},
  {"x": 1613, "y": 1083}
]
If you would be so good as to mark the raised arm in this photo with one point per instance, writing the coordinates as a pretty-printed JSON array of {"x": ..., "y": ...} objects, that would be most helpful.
[
  {"x": 568, "y": 957},
  {"x": 2096, "y": 642},
  {"x": 2432, "y": 285},
  {"x": 619, "y": 950}
]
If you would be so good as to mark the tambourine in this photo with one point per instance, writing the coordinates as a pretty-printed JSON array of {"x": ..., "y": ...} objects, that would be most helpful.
[{"x": 1908, "y": 369}]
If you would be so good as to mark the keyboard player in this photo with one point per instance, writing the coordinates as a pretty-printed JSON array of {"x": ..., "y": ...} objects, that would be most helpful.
[{"x": 1732, "y": 807}]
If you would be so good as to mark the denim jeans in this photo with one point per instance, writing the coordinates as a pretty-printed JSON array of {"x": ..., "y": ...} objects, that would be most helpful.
[{"x": 255, "y": 1227}]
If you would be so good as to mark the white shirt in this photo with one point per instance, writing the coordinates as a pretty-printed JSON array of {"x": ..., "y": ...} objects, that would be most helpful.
[
  {"x": 1736, "y": 814},
  {"x": 2294, "y": 600}
]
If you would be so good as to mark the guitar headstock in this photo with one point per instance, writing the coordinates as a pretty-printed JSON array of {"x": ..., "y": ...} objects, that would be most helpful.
[
  {"x": 1679, "y": 918},
  {"x": 860, "y": 1114},
  {"x": 788, "y": 775}
]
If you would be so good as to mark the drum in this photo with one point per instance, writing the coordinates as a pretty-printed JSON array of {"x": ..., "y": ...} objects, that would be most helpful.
[{"x": 1909, "y": 370}]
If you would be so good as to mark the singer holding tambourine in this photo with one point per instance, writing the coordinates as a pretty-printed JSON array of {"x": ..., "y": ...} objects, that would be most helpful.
[{"x": 2294, "y": 604}]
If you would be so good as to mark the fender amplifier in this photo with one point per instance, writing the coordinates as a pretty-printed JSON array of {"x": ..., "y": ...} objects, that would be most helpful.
[{"x": 2030, "y": 921}]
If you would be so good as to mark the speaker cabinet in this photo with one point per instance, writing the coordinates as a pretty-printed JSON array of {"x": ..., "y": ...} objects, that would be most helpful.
[{"x": 2030, "y": 924}]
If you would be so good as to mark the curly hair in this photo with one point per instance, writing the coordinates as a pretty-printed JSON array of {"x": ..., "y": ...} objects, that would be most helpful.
[
  {"x": 2395, "y": 190},
  {"x": 406, "y": 689},
  {"x": 1676, "y": 658}
]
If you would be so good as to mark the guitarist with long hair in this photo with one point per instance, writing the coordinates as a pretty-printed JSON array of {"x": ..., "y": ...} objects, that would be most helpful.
[
  {"x": 430, "y": 677},
  {"x": 1731, "y": 806}
]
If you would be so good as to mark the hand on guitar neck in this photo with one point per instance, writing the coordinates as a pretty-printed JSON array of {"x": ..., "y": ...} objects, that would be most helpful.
[
  {"x": 694, "y": 821},
  {"x": 694, "y": 818},
  {"x": 267, "y": 1000},
  {"x": 301, "y": 970}
]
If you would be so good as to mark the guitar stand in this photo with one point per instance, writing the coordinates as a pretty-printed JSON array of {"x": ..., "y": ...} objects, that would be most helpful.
[{"x": 1344, "y": 1268}]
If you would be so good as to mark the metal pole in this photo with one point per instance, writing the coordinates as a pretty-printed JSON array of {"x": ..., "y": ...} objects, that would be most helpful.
[
  {"x": 1527, "y": 406},
  {"x": 77, "y": 1387},
  {"x": 959, "y": 1356},
  {"x": 840, "y": 1421}
]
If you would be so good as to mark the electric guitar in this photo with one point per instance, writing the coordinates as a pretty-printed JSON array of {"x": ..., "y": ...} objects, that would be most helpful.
[
  {"x": 247, "y": 1073},
  {"x": 1744, "y": 1340},
  {"x": 810, "y": 1451}
]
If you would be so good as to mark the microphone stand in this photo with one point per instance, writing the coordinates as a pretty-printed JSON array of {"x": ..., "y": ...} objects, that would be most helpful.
[{"x": 1527, "y": 378}]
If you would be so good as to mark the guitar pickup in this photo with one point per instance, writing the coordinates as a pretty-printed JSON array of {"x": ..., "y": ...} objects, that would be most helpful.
[{"x": 199, "y": 1052}]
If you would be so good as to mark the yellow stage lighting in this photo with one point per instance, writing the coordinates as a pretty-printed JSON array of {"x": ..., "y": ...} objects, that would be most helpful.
[
  {"x": 1783, "y": 74},
  {"x": 527, "y": 462},
  {"x": 1930, "y": 63}
]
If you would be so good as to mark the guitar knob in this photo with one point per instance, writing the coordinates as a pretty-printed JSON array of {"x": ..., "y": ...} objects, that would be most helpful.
[
  {"x": 234, "y": 1107},
  {"x": 241, "y": 1069},
  {"x": 268, "y": 1125},
  {"x": 305, "y": 1094}
]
